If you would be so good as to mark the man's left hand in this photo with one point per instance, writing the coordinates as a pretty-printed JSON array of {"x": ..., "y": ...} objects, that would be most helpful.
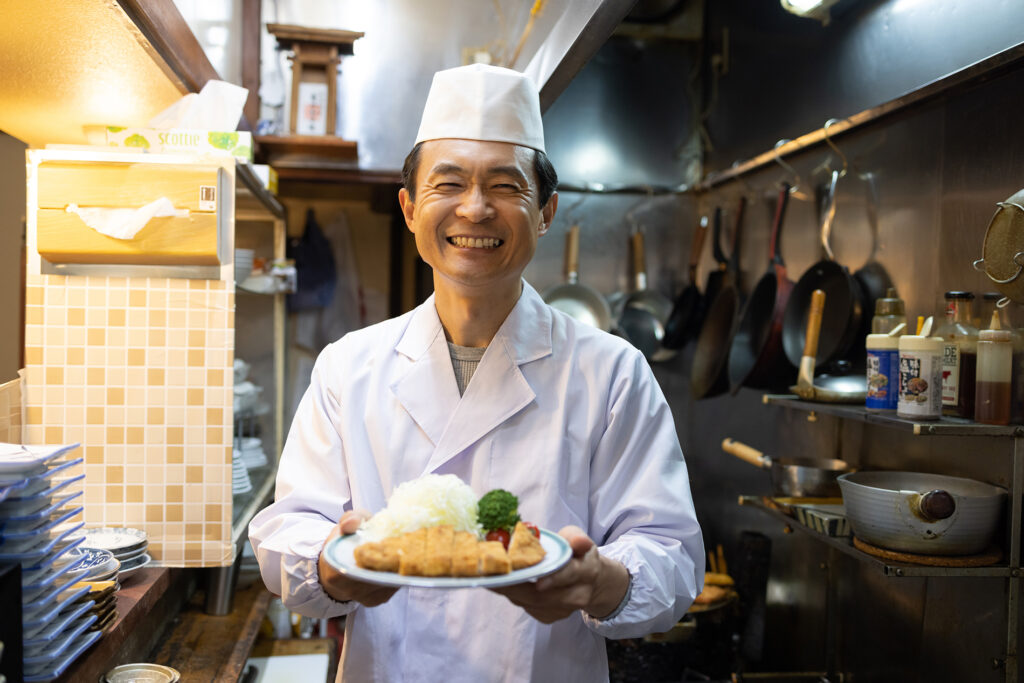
[{"x": 590, "y": 581}]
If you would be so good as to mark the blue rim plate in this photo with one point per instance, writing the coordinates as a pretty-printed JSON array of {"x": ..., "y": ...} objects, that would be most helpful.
[{"x": 339, "y": 554}]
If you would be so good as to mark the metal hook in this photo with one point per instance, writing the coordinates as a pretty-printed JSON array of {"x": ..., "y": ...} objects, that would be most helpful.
[
  {"x": 795, "y": 188},
  {"x": 828, "y": 141},
  {"x": 631, "y": 214}
]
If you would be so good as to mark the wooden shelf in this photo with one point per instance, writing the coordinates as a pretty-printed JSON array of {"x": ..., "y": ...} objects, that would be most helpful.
[
  {"x": 213, "y": 648},
  {"x": 278, "y": 148}
]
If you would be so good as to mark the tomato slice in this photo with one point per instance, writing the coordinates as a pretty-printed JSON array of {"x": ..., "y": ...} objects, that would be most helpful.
[
  {"x": 499, "y": 535},
  {"x": 533, "y": 528}
]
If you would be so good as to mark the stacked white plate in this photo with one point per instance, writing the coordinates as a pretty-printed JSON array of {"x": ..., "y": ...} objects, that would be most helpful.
[
  {"x": 40, "y": 528},
  {"x": 250, "y": 450},
  {"x": 240, "y": 481},
  {"x": 243, "y": 264},
  {"x": 125, "y": 544}
]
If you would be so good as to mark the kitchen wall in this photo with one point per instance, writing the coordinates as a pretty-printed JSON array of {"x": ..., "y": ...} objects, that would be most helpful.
[{"x": 940, "y": 169}]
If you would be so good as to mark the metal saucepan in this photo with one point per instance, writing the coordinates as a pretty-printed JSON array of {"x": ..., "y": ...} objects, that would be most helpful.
[
  {"x": 928, "y": 514},
  {"x": 842, "y": 324},
  {"x": 683, "y": 322},
  {"x": 756, "y": 358},
  {"x": 793, "y": 477},
  {"x": 578, "y": 300},
  {"x": 645, "y": 311},
  {"x": 709, "y": 375}
]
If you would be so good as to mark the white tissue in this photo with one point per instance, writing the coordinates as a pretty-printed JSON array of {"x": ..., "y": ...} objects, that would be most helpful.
[
  {"x": 124, "y": 224},
  {"x": 218, "y": 106}
]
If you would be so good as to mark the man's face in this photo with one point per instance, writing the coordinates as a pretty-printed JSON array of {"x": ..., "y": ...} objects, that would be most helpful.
[{"x": 476, "y": 217}]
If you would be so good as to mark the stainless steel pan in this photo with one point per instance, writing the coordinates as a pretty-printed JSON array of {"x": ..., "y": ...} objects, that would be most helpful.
[
  {"x": 793, "y": 477},
  {"x": 578, "y": 300}
]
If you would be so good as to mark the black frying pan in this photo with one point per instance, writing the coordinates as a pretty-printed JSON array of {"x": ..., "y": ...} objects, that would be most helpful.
[
  {"x": 682, "y": 323},
  {"x": 756, "y": 357},
  {"x": 841, "y": 323},
  {"x": 709, "y": 376}
]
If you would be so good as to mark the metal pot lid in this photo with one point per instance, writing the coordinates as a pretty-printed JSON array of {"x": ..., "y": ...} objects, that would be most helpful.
[{"x": 142, "y": 673}]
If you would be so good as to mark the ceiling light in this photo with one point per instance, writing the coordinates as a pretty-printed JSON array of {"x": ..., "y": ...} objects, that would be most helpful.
[{"x": 812, "y": 9}]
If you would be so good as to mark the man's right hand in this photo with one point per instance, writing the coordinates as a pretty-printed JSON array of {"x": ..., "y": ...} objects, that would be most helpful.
[{"x": 339, "y": 586}]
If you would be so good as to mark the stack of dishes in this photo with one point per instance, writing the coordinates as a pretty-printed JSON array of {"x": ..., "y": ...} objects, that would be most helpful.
[
  {"x": 126, "y": 545},
  {"x": 40, "y": 528},
  {"x": 250, "y": 450},
  {"x": 243, "y": 264},
  {"x": 240, "y": 481}
]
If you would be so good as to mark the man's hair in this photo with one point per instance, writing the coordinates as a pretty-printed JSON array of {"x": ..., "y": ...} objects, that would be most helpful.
[{"x": 547, "y": 178}]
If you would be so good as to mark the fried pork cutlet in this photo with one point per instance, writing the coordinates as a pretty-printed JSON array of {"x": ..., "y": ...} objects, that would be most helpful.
[
  {"x": 412, "y": 553},
  {"x": 524, "y": 550},
  {"x": 440, "y": 540},
  {"x": 493, "y": 558},
  {"x": 465, "y": 554},
  {"x": 381, "y": 557}
]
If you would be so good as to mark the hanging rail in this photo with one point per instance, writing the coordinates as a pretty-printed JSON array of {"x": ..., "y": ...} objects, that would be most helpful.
[{"x": 989, "y": 67}]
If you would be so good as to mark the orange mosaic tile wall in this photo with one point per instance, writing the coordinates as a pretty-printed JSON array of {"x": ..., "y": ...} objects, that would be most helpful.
[{"x": 139, "y": 371}]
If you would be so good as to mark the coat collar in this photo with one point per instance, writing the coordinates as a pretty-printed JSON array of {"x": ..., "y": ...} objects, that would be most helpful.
[{"x": 498, "y": 390}]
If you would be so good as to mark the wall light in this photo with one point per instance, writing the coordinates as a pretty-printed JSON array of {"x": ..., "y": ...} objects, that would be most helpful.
[{"x": 812, "y": 9}]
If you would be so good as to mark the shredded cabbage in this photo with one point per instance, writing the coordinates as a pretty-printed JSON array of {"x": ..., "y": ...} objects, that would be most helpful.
[{"x": 428, "y": 501}]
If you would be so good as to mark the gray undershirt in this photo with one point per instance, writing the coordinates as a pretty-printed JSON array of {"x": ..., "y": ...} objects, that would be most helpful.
[{"x": 464, "y": 361}]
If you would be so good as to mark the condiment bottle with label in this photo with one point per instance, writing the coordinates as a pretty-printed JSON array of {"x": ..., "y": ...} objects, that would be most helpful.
[
  {"x": 992, "y": 401},
  {"x": 883, "y": 369},
  {"x": 920, "y": 378},
  {"x": 959, "y": 355},
  {"x": 889, "y": 313}
]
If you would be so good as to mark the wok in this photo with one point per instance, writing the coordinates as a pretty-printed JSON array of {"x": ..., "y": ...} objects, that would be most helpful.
[
  {"x": 709, "y": 374},
  {"x": 928, "y": 514},
  {"x": 756, "y": 357},
  {"x": 841, "y": 326},
  {"x": 683, "y": 322},
  {"x": 793, "y": 477},
  {"x": 579, "y": 301}
]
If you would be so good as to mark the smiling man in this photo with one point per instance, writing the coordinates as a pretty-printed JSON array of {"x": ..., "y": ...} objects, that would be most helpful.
[{"x": 486, "y": 382}]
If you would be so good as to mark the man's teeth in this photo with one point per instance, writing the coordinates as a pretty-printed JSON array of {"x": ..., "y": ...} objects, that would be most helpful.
[{"x": 475, "y": 242}]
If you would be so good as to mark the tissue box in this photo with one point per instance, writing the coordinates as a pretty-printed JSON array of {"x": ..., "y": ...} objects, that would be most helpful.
[{"x": 237, "y": 143}]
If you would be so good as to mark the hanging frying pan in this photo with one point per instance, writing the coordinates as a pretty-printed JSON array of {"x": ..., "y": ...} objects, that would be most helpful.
[
  {"x": 578, "y": 300},
  {"x": 709, "y": 375},
  {"x": 841, "y": 324},
  {"x": 756, "y": 356},
  {"x": 683, "y": 322},
  {"x": 716, "y": 276},
  {"x": 645, "y": 310}
]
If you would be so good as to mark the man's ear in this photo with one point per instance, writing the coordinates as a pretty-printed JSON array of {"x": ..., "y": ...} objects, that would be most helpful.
[
  {"x": 408, "y": 207},
  {"x": 547, "y": 214}
]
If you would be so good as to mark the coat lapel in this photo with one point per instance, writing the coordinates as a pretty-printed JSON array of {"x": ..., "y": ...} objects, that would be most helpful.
[
  {"x": 428, "y": 391},
  {"x": 498, "y": 389}
]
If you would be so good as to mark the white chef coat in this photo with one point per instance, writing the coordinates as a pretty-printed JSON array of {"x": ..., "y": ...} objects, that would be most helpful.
[{"x": 568, "y": 418}]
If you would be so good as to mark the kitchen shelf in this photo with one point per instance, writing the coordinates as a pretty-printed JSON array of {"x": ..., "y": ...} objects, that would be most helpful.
[
  {"x": 845, "y": 545},
  {"x": 944, "y": 426}
]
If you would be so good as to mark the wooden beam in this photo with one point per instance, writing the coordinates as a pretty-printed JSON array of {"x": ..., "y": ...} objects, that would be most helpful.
[{"x": 252, "y": 28}]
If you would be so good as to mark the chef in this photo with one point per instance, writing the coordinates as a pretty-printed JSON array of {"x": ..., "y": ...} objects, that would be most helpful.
[{"x": 487, "y": 382}]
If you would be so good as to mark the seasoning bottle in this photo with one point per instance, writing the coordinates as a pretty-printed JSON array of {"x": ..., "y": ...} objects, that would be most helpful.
[
  {"x": 959, "y": 355},
  {"x": 889, "y": 312},
  {"x": 995, "y": 369},
  {"x": 883, "y": 369},
  {"x": 920, "y": 378}
]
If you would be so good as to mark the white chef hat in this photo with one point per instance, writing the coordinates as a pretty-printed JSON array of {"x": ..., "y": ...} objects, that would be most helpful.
[{"x": 483, "y": 102}]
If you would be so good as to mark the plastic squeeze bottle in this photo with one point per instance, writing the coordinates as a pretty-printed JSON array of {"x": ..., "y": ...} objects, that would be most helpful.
[{"x": 992, "y": 402}]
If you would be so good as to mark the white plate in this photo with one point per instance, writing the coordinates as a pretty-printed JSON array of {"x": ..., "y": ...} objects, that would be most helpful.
[
  {"x": 128, "y": 568},
  {"x": 339, "y": 554},
  {"x": 114, "y": 539},
  {"x": 49, "y": 673}
]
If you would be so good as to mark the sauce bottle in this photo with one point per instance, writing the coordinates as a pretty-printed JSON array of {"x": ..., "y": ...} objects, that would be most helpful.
[
  {"x": 959, "y": 355},
  {"x": 995, "y": 370},
  {"x": 889, "y": 313}
]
